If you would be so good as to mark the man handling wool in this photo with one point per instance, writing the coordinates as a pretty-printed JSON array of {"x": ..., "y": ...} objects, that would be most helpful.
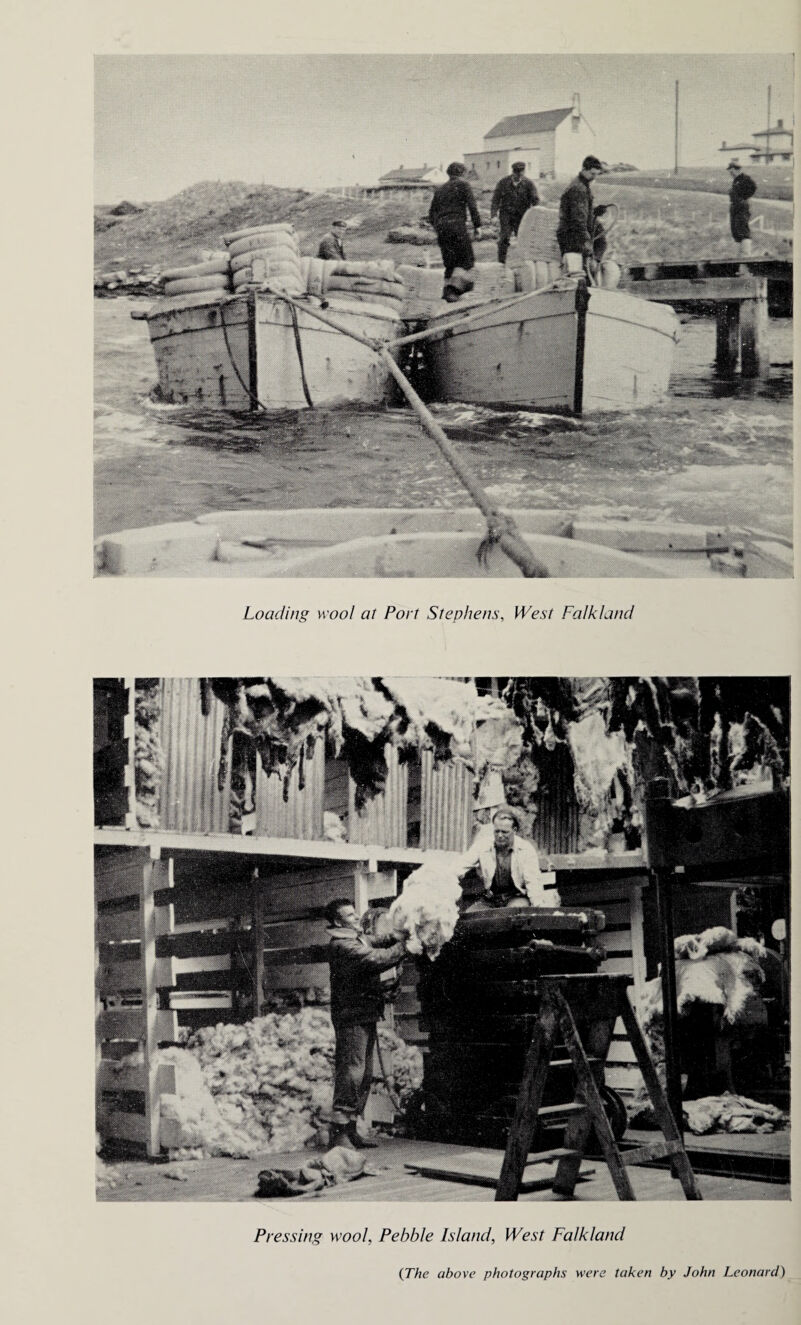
[
  {"x": 357, "y": 1003},
  {"x": 742, "y": 188},
  {"x": 513, "y": 196},
  {"x": 450, "y": 207},
  {"x": 576, "y": 227},
  {"x": 508, "y": 865}
]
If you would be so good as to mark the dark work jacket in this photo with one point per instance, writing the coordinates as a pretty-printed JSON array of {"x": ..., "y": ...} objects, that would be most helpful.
[
  {"x": 356, "y": 963},
  {"x": 576, "y": 211},
  {"x": 451, "y": 201},
  {"x": 331, "y": 246},
  {"x": 742, "y": 188},
  {"x": 513, "y": 200}
]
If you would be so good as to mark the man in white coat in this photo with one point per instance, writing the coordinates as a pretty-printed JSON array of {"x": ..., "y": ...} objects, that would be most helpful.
[{"x": 508, "y": 865}]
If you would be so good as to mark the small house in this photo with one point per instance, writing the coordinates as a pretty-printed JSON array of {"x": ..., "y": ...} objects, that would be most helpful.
[{"x": 551, "y": 142}]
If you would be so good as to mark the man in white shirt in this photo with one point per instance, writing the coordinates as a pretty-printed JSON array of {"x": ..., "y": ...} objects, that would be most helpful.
[{"x": 508, "y": 865}]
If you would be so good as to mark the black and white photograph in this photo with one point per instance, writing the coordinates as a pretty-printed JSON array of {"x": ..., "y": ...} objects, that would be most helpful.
[
  {"x": 443, "y": 315},
  {"x": 429, "y": 939}
]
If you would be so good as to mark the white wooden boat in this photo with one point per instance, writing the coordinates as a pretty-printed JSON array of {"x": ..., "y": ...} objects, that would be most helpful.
[
  {"x": 431, "y": 543},
  {"x": 229, "y": 352},
  {"x": 573, "y": 349}
]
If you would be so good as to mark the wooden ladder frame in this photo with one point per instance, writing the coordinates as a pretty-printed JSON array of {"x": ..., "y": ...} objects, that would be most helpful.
[{"x": 598, "y": 1000}]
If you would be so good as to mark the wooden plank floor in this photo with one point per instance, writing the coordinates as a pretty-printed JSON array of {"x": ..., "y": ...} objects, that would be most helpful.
[{"x": 235, "y": 1180}]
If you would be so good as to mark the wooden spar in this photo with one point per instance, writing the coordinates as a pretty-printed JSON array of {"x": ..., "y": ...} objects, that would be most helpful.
[
  {"x": 472, "y": 316},
  {"x": 503, "y": 529}
]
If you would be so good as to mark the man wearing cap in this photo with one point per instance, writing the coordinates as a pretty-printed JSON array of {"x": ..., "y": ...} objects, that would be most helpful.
[
  {"x": 450, "y": 207},
  {"x": 508, "y": 865},
  {"x": 513, "y": 196},
  {"x": 331, "y": 246},
  {"x": 742, "y": 188},
  {"x": 577, "y": 215}
]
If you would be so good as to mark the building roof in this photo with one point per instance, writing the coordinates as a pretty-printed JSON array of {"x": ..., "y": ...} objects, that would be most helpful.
[
  {"x": 539, "y": 121},
  {"x": 408, "y": 173},
  {"x": 777, "y": 130}
]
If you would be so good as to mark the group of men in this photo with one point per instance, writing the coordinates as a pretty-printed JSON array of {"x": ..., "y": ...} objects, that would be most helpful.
[{"x": 508, "y": 870}]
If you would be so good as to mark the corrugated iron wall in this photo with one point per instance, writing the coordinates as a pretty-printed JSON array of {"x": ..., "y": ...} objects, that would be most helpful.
[
  {"x": 556, "y": 830},
  {"x": 446, "y": 812},
  {"x": 190, "y": 799},
  {"x": 301, "y": 814},
  {"x": 382, "y": 821}
]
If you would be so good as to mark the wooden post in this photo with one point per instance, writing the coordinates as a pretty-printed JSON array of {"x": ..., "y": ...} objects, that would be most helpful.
[
  {"x": 754, "y": 332},
  {"x": 727, "y": 346},
  {"x": 258, "y": 945},
  {"x": 664, "y": 904},
  {"x": 157, "y": 873}
]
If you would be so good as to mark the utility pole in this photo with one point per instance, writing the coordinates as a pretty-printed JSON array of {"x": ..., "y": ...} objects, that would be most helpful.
[
  {"x": 676, "y": 133},
  {"x": 767, "y": 138}
]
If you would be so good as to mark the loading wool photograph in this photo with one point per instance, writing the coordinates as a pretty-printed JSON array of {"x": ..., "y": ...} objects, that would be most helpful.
[{"x": 445, "y": 315}]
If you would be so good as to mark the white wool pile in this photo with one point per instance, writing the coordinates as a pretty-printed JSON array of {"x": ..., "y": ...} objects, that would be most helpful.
[
  {"x": 267, "y": 1085},
  {"x": 716, "y": 939},
  {"x": 431, "y": 702},
  {"x": 424, "y": 916},
  {"x": 731, "y": 1113},
  {"x": 728, "y": 980},
  {"x": 499, "y": 735}
]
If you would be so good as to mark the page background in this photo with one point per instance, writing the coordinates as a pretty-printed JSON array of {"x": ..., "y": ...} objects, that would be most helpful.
[{"x": 72, "y": 1259}]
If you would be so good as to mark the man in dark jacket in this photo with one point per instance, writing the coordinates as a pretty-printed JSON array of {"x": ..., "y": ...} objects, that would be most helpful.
[
  {"x": 742, "y": 188},
  {"x": 513, "y": 196},
  {"x": 357, "y": 1002},
  {"x": 577, "y": 213},
  {"x": 450, "y": 206},
  {"x": 331, "y": 246}
]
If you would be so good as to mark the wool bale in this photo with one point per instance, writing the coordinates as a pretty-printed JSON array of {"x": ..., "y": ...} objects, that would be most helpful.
[
  {"x": 536, "y": 237},
  {"x": 526, "y": 277},
  {"x": 541, "y": 274},
  {"x": 275, "y": 253},
  {"x": 218, "y": 266},
  {"x": 266, "y": 228},
  {"x": 194, "y": 284}
]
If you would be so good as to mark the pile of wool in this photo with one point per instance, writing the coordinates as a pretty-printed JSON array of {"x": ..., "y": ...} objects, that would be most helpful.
[
  {"x": 717, "y": 939},
  {"x": 148, "y": 753},
  {"x": 602, "y": 771},
  {"x": 499, "y": 736},
  {"x": 205, "y": 1130},
  {"x": 404, "y": 1064},
  {"x": 728, "y": 980},
  {"x": 424, "y": 916},
  {"x": 732, "y": 1113}
]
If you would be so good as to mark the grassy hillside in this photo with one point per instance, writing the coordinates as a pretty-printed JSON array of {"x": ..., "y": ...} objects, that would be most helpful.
[
  {"x": 657, "y": 218},
  {"x": 772, "y": 181}
]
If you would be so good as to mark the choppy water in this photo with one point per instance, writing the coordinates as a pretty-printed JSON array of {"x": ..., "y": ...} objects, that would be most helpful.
[{"x": 712, "y": 452}]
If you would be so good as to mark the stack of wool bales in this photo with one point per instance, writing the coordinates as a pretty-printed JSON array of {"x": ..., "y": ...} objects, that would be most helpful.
[
  {"x": 200, "y": 280},
  {"x": 535, "y": 259},
  {"x": 424, "y": 286},
  {"x": 371, "y": 285},
  {"x": 266, "y": 253}
]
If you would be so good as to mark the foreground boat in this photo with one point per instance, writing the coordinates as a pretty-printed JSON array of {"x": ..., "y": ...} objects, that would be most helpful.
[
  {"x": 573, "y": 349},
  {"x": 357, "y": 542},
  {"x": 241, "y": 352}
]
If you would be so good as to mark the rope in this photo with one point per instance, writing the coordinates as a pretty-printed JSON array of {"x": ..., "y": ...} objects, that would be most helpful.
[
  {"x": 293, "y": 313},
  {"x": 254, "y": 399}
]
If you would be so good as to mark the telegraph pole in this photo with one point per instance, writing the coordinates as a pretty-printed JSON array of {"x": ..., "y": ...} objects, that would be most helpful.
[
  {"x": 767, "y": 138},
  {"x": 676, "y": 133}
]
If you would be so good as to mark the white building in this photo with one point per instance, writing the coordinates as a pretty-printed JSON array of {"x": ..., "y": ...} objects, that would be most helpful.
[
  {"x": 551, "y": 142},
  {"x": 771, "y": 147}
]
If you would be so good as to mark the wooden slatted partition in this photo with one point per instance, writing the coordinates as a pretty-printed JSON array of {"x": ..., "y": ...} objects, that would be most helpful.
[
  {"x": 129, "y": 1022},
  {"x": 621, "y": 900}
]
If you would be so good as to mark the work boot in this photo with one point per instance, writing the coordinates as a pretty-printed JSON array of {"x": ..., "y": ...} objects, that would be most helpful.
[
  {"x": 358, "y": 1141},
  {"x": 340, "y": 1135}
]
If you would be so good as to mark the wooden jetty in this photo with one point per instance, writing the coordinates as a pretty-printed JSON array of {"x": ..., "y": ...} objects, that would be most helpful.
[{"x": 742, "y": 294}]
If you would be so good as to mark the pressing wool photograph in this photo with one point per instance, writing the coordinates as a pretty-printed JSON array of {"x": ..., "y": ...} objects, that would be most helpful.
[{"x": 426, "y": 939}]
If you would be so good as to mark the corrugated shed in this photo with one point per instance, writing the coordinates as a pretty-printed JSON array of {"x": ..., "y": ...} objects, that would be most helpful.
[
  {"x": 301, "y": 813},
  {"x": 382, "y": 821},
  {"x": 190, "y": 799},
  {"x": 446, "y": 811},
  {"x": 556, "y": 830}
]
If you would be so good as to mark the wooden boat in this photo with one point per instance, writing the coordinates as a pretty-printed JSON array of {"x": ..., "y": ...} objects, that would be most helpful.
[
  {"x": 430, "y": 543},
  {"x": 572, "y": 349},
  {"x": 230, "y": 352}
]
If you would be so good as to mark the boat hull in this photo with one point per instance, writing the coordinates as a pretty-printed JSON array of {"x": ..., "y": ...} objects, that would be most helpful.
[
  {"x": 569, "y": 350},
  {"x": 229, "y": 354}
]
